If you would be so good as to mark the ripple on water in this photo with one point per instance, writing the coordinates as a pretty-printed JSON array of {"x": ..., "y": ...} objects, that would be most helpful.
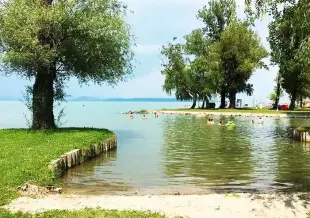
[{"x": 184, "y": 153}]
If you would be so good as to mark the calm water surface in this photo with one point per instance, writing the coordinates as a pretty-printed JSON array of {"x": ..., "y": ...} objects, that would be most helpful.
[{"x": 183, "y": 153}]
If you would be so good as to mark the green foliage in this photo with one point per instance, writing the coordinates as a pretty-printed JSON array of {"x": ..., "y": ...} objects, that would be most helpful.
[
  {"x": 52, "y": 41},
  {"x": 177, "y": 74},
  {"x": 217, "y": 59},
  {"x": 19, "y": 147},
  {"x": 87, "y": 213},
  {"x": 238, "y": 54},
  {"x": 216, "y": 17},
  {"x": 303, "y": 129},
  {"x": 87, "y": 39},
  {"x": 143, "y": 111},
  {"x": 288, "y": 37}
]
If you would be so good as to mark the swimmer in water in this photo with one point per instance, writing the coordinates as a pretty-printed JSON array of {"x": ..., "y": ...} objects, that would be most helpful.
[
  {"x": 131, "y": 115},
  {"x": 260, "y": 121},
  {"x": 144, "y": 117},
  {"x": 210, "y": 121},
  {"x": 221, "y": 123},
  {"x": 155, "y": 115}
]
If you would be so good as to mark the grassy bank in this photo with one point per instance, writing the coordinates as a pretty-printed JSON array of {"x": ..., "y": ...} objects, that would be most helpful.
[
  {"x": 243, "y": 110},
  {"x": 89, "y": 213},
  {"x": 26, "y": 154}
]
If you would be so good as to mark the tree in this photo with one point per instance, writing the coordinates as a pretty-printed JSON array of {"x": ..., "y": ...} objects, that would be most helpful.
[
  {"x": 289, "y": 40},
  {"x": 277, "y": 92},
  {"x": 289, "y": 34},
  {"x": 180, "y": 74},
  {"x": 51, "y": 41},
  {"x": 216, "y": 18},
  {"x": 176, "y": 74},
  {"x": 239, "y": 53}
]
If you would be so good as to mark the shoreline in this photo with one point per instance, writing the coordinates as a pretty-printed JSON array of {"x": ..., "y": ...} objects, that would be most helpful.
[
  {"x": 198, "y": 206},
  {"x": 243, "y": 114}
]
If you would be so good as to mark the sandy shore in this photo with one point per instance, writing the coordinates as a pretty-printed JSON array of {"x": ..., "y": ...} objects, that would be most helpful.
[
  {"x": 200, "y": 206},
  {"x": 197, "y": 113}
]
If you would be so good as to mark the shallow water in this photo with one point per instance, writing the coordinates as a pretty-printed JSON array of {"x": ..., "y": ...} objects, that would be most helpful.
[{"x": 179, "y": 153}]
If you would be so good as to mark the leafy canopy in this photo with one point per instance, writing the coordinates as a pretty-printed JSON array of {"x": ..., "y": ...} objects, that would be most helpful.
[
  {"x": 88, "y": 40},
  {"x": 238, "y": 54}
]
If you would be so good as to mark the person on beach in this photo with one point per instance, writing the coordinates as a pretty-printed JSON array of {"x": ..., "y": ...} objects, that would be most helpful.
[
  {"x": 144, "y": 117},
  {"x": 221, "y": 123},
  {"x": 260, "y": 121},
  {"x": 252, "y": 121}
]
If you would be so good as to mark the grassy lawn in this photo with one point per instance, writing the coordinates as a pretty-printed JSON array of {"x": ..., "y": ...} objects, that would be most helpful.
[
  {"x": 89, "y": 213},
  {"x": 243, "y": 110},
  {"x": 26, "y": 154}
]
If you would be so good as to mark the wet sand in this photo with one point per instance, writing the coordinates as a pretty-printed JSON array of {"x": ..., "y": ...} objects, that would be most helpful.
[{"x": 196, "y": 206}]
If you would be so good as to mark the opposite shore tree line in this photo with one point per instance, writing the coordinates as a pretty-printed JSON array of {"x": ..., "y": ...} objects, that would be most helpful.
[{"x": 219, "y": 59}]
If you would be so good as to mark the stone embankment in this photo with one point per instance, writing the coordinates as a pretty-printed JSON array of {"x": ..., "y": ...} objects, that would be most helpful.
[
  {"x": 78, "y": 156},
  {"x": 301, "y": 135}
]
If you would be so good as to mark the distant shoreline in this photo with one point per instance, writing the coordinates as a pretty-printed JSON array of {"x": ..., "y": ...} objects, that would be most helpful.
[
  {"x": 254, "y": 113},
  {"x": 110, "y": 100}
]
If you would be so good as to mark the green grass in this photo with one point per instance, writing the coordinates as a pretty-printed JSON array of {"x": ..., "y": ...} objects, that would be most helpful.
[
  {"x": 244, "y": 110},
  {"x": 143, "y": 111},
  {"x": 88, "y": 213},
  {"x": 303, "y": 129},
  {"x": 26, "y": 154}
]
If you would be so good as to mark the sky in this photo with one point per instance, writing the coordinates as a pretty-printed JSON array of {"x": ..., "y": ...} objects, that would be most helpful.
[{"x": 154, "y": 23}]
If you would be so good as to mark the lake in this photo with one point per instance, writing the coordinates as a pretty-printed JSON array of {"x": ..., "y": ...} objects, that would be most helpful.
[{"x": 178, "y": 153}]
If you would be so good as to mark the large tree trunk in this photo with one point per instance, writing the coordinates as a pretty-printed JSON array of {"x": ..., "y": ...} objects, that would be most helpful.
[
  {"x": 278, "y": 92},
  {"x": 223, "y": 100},
  {"x": 232, "y": 99},
  {"x": 203, "y": 103},
  {"x": 276, "y": 103},
  {"x": 194, "y": 102},
  {"x": 293, "y": 101},
  {"x": 207, "y": 102},
  {"x": 43, "y": 99}
]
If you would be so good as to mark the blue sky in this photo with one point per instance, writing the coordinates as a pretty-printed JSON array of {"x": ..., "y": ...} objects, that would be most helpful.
[{"x": 154, "y": 23}]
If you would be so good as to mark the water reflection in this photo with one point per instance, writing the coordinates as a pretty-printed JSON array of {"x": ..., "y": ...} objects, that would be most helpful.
[
  {"x": 184, "y": 153},
  {"x": 202, "y": 154},
  {"x": 293, "y": 157}
]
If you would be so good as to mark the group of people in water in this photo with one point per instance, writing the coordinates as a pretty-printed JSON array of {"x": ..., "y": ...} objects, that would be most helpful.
[
  {"x": 131, "y": 116},
  {"x": 229, "y": 123}
]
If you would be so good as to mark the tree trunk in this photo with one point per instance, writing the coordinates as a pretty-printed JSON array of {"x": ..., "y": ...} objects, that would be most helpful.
[
  {"x": 293, "y": 101},
  {"x": 207, "y": 102},
  {"x": 43, "y": 99},
  {"x": 194, "y": 102},
  {"x": 301, "y": 105},
  {"x": 232, "y": 99},
  {"x": 203, "y": 104},
  {"x": 278, "y": 92},
  {"x": 223, "y": 98}
]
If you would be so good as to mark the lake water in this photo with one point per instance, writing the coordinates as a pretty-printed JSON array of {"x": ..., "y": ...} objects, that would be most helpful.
[{"x": 180, "y": 153}]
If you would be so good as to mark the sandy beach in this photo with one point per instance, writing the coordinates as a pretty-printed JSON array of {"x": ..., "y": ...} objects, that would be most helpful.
[
  {"x": 195, "y": 206},
  {"x": 244, "y": 114}
]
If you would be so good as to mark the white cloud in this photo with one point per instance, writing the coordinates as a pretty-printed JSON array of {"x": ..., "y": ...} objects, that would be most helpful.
[{"x": 147, "y": 48}]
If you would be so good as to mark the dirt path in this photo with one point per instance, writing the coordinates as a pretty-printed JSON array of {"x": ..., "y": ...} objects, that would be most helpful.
[{"x": 200, "y": 206}]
